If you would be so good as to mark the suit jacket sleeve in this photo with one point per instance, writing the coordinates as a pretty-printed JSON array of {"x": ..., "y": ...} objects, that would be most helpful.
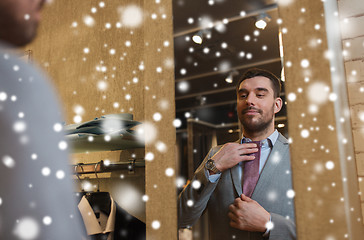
[
  {"x": 283, "y": 228},
  {"x": 187, "y": 215}
]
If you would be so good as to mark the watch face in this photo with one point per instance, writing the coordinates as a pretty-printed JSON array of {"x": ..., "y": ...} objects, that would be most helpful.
[{"x": 210, "y": 164}]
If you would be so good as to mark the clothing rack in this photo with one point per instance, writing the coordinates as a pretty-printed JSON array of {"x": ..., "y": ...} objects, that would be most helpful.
[{"x": 101, "y": 167}]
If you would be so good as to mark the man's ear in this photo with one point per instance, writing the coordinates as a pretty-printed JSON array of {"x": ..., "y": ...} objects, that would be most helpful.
[{"x": 278, "y": 104}]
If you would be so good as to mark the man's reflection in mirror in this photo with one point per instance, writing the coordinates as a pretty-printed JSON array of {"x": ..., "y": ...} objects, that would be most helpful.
[{"x": 246, "y": 186}]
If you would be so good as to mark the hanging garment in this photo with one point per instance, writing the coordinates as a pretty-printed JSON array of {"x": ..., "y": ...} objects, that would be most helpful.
[{"x": 118, "y": 225}]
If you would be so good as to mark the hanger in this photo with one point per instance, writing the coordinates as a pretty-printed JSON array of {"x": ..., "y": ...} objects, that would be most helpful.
[
  {"x": 79, "y": 195},
  {"x": 99, "y": 201}
]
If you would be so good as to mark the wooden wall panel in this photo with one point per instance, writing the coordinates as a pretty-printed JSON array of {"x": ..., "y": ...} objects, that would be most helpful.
[
  {"x": 354, "y": 47},
  {"x": 350, "y": 7},
  {"x": 351, "y": 14},
  {"x": 325, "y": 182},
  {"x": 159, "y": 98},
  {"x": 101, "y": 65}
]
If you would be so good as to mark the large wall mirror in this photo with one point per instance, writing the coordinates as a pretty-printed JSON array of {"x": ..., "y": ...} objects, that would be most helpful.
[
  {"x": 322, "y": 150},
  {"x": 215, "y": 42}
]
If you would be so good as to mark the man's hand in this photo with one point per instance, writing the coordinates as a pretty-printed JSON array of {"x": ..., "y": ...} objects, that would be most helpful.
[
  {"x": 246, "y": 214},
  {"x": 232, "y": 153}
]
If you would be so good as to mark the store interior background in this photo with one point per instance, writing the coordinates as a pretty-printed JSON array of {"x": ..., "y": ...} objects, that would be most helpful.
[{"x": 204, "y": 100}]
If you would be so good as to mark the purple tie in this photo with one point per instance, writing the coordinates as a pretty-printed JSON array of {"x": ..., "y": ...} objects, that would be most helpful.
[{"x": 251, "y": 172}]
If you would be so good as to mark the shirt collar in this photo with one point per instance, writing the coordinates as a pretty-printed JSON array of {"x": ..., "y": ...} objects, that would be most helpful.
[
  {"x": 269, "y": 142},
  {"x": 90, "y": 220}
]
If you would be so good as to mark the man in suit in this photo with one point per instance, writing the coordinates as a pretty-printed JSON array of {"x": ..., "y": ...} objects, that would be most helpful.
[
  {"x": 220, "y": 185},
  {"x": 35, "y": 187}
]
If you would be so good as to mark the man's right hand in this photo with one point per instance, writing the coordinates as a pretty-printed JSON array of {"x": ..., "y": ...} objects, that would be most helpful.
[{"x": 232, "y": 153}]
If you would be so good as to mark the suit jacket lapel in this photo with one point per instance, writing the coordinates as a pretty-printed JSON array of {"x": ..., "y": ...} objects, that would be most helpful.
[
  {"x": 271, "y": 164},
  {"x": 236, "y": 178}
]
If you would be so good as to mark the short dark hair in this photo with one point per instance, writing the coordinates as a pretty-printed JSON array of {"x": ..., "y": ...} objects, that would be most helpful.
[{"x": 255, "y": 72}]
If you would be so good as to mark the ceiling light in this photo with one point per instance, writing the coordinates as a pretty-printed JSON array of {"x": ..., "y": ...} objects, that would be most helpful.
[
  {"x": 230, "y": 77},
  {"x": 198, "y": 37},
  {"x": 262, "y": 20}
]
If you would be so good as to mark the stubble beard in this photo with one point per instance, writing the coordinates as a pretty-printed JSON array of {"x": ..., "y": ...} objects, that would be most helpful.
[{"x": 254, "y": 124}]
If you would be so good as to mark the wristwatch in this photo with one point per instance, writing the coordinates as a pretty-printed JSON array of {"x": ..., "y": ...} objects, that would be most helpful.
[{"x": 210, "y": 165}]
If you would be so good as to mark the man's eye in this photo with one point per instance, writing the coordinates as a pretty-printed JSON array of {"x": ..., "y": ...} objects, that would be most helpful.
[
  {"x": 243, "y": 96},
  {"x": 260, "y": 95}
]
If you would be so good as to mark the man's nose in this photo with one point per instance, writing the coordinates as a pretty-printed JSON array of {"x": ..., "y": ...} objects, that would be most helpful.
[{"x": 250, "y": 100}]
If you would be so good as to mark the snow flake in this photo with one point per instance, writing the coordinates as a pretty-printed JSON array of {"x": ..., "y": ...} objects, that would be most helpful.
[
  {"x": 131, "y": 16},
  {"x": 285, "y": 3},
  {"x": 27, "y": 228},
  {"x": 276, "y": 158},
  {"x": 157, "y": 116},
  {"x": 290, "y": 193},
  {"x": 180, "y": 182},
  {"x": 318, "y": 92},
  {"x": 62, "y": 145},
  {"x": 189, "y": 203},
  {"x": 16, "y": 68},
  {"x": 46, "y": 171},
  {"x": 305, "y": 133},
  {"x": 149, "y": 156},
  {"x": 156, "y": 224},
  {"x": 3, "y": 96},
  {"x": 19, "y": 126},
  {"x": 305, "y": 63},
  {"x": 88, "y": 21},
  {"x": 329, "y": 165},
  {"x": 34, "y": 156},
  {"x": 224, "y": 66},
  {"x": 177, "y": 123},
  {"x": 196, "y": 184},
  {"x": 220, "y": 27},
  {"x": 60, "y": 174},
  {"x": 169, "y": 172},
  {"x": 272, "y": 196},
  {"x": 291, "y": 97},
  {"x": 57, "y": 127},
  {"x": 47, "y": 220},
  {"x": 77, "y": 119},
  {"x": 8, "y": 161},
  {"x": 145, "y": 198},
  {"x": 102, "y": 85},
  {"x": 183, "y": 86},
  {"x": 269, "y": 225},
  {"x": 206, "y": 50},
  {"x": 161, "y": 146},
  {"x": 127, "y": 43},
  {"x": 107, "y": 138}
]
